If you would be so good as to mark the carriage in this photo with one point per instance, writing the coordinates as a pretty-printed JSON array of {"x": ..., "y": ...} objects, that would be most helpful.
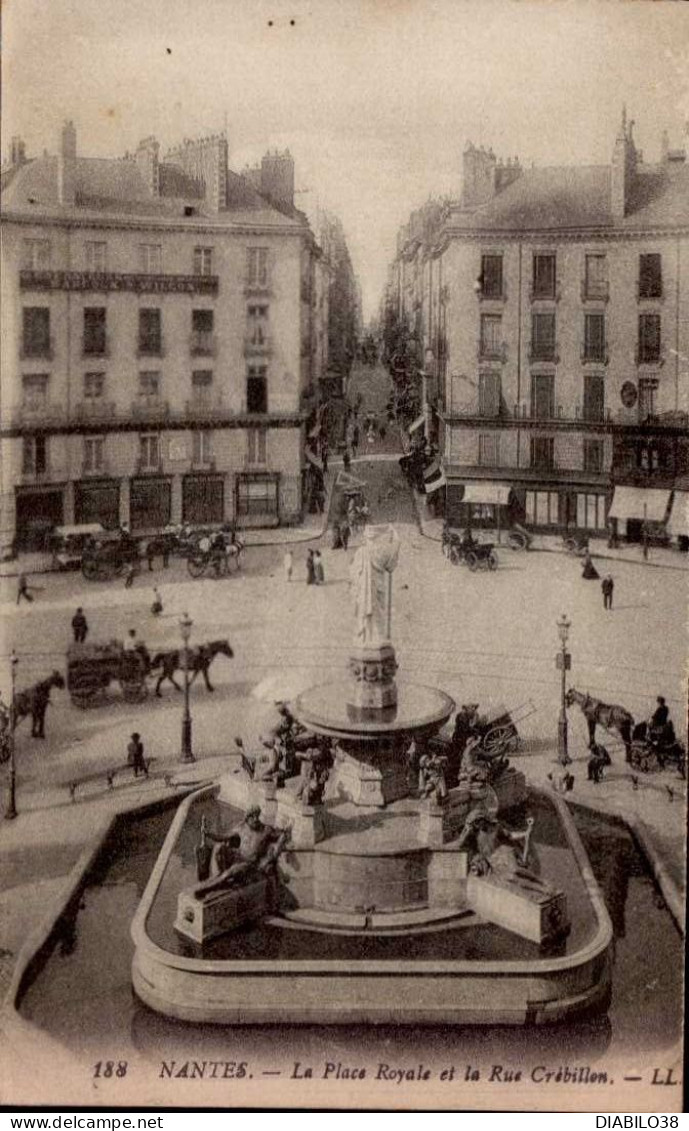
[
  {"x": 91, "y": 668},
  {"x": 218, "y": 560},
  {"x": 652, "y": 751},
  {"x": 496, "y": 731},
  {"x": 106, "y": 558}
]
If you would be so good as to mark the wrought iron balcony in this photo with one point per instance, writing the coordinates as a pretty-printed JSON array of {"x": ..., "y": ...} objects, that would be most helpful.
[
  {"x": 95, "y": 408},
  {"x": 202, "y": 343},
  {"x": 149, "y": 467},
  {"x": 537, "y": 294},
  {"x": 257, "y": 290},
  {"x": 544, "y": 352},
  {"x": 150, "y": 347},
  {"x": 487, "y": 352},
  {"x": 595, "y": 292},
  {"x": 491, "y": 296},
  {"x": 649, "y": 292},
  {"x": 42, "y": 349},
  {"x": 150, "y": 408},
  {"x": 258, "y": 347},
  {"x": 40, "y": 412},
  {"x": 650, "y": 357},
  {"x": 595, "y": 355}
]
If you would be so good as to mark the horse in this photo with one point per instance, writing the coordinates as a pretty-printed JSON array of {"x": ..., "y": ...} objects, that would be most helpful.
[
  {"x": 200, "y": 659},
  {"x": 34, "y": 701},
  {"x": 610, "y": 716}
]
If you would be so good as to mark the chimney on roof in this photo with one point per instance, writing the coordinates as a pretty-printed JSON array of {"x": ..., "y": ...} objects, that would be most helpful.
[
  {"x": 67, "y": 165},
  {"x": 205, "y": 161},
  {"x": 623, "y": 170},
  {"x": 17, "y": 152},
  {"x": 147, "y": 163},
  {"x": 277, "y": 178},
  {"x": 485, "y": 176}
]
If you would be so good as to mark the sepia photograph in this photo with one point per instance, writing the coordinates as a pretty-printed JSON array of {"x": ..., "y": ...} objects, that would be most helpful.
[{"x": 344, "y": 554}]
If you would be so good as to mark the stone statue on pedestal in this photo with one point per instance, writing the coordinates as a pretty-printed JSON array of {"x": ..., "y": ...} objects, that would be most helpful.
[
  {"x": 250, "y": 849},
  {"x": 370, "y": 578}
]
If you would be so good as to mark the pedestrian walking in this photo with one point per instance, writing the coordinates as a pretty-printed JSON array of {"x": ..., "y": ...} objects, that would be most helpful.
[
  {"x": 310, "y": 569},
  {"x": 347, "y": 459},
  {"x": 344, "y": 534},
  {"x": 157, "y": 606},
  {"x": 80, "y": 626},
  {"x": 607, "y": 585},
  {"x": 288, "y": 564},
  {"x": 135, "y": 755},
  {"x": 23, "y": 589},
  {"x": 318, "y": 571},
  {"x": 589, "y": 572},
  {"x": 130, "y": 574}
]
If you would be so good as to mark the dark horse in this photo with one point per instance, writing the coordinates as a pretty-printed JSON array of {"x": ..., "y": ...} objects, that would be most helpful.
[
  {"x": 200, "y": 659},
  {"x": 607, "y": 715},
  {"x": 34, "y": 701}
]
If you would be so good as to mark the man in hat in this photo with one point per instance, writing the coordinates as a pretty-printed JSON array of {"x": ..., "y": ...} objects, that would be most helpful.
[
  {"x": 135, "y": 755},
  {"x": 79, "y": 626}
]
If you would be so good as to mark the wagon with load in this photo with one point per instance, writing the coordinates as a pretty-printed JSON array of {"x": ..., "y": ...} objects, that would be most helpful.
[{"x": 91, "y": 668}]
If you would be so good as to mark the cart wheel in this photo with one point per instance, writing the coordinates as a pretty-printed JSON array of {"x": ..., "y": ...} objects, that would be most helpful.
[
  {"x": 472, "y": 562},
  {"x": 571, "y": 545},
  {"x": 492, "y": 561},
  {"x": 494, "y": 741},
  {"x": 196, "y": 566}
]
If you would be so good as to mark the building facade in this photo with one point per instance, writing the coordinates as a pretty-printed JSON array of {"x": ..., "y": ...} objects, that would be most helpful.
[
  {"x": 550, "y": 308},
  {"x": 164, "y": 322}
]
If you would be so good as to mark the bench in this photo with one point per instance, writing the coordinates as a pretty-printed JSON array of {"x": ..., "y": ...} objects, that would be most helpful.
[{"x": 109, "y": 775}]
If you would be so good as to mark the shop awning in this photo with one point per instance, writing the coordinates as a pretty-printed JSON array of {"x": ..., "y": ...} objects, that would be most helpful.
[
  {"x": 678, "y": 523},
  {"x": 649, "y": 503},
  {"x": 496, "y": 494},
  {"x": 433, "y": 478},
  {"x": 418, "y": 423}
]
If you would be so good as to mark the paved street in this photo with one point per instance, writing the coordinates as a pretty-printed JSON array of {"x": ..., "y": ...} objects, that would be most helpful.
[{"x": 483, "y": 637}]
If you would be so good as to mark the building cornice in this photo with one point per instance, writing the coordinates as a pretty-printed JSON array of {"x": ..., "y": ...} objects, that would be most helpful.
[
  {"x": 181, "y": 423},
  {"x": 559, "y": 235},
  {"x": 152, "y": 224}
]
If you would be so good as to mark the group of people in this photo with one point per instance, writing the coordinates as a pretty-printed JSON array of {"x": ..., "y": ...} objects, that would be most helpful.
[{"x": 315, "y": 573}]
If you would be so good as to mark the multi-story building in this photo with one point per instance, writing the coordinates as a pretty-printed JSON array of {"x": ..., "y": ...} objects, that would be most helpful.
[
  {"x": 550, "y": 308},
  {"x": 162, "y": 336}
]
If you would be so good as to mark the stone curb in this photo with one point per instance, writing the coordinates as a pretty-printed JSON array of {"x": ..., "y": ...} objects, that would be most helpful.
[{"x": 553, "y": 550}]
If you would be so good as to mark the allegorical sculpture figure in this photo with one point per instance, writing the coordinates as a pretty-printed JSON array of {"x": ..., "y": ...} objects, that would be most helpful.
[
  {"x": 250, "y": 849},
  {"x": 370, "y": 576}
]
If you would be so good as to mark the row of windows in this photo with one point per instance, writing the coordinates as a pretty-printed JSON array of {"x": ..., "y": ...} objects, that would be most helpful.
[
  {"x": 543, "y": 405},
  {"x": 35, "y": 452},
  {"x": 36, "y": 339},
  {"x": 37, "y": 256},
  {"x": 594, "y": 284},
  {"x": 35, "y": 389},
  {"x": 541, "y": 453},
  {"x": 594, "y": 346}
]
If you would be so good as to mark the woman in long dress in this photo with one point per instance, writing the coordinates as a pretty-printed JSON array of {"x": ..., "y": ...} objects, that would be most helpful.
[{"x": 589, "y": 572}]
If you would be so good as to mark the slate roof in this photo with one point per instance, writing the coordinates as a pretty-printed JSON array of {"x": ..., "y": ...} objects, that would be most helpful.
[
  {"x": 116, "y": 187},
  {"x": 579, "y": 197}
]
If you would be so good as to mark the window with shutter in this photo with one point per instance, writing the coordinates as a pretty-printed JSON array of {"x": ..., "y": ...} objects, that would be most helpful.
[
  {"x": 491, "y": 276},
  {"x": 649, "y": 337},
  {"x": 544, "y": 276},
  {"x": 650, "y": 276},
  {"x": 543, "y": 336},
  {"x": 594, "y": 337}
]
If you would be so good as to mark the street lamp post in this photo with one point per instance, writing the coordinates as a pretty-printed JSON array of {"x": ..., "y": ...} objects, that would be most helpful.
[
  {"x": 563, "y": 662},
  {"x": 185, "y": 626},
  {"x": 11, "y": 810}
]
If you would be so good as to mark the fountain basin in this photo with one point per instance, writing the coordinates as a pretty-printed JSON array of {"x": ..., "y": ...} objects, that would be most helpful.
[{"x": 251, "y": 976}]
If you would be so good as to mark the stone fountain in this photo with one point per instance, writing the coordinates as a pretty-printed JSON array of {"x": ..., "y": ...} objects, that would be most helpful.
[{"x": 369, "y": 838}]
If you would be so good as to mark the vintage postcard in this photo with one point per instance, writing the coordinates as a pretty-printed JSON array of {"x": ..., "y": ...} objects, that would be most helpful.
[{"x": 344, "y": 540}]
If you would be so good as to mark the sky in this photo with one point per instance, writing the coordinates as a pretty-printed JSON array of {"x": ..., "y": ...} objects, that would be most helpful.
[{"x": 374, "y": 98}]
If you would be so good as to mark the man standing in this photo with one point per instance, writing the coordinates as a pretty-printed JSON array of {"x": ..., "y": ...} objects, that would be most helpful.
[
  {"x": 23, "y": 589},
  {"x": 79, "y": 626},
  {"x": 135, "y": 755},
  {"x": 607, "y": 585}
]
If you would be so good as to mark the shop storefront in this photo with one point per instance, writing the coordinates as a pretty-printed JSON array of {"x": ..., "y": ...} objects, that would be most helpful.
[
  {"x": 97, "y": 501},
  {"x": 257, "y": 499},
  {"x": 150, "y": 503},
  {"x": 634, "y": 508},
  {"x": 38, "y": 510},
  {"x": 203, "y": 499}
]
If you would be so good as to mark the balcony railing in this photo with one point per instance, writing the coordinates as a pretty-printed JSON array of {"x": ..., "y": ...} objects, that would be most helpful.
[
  {"x": 594, "y": 292},
  {"x": 262, "y": 289},
  {"x": 492, "y": 296},
  {"x": 209, "y": 404},
  {"x": 32, "y": 475},
  {"x": 40, "y": 412},
  {"x": 42, "y": 349},
  {"x": 149, "y": 466},
  {"x": 595, "y": 355},
  {"x": 95, "y": 408},
  {"x": 138, "y": 283},
  {"x": 652, "y": 292},
  {"x": 100, "y": 469},
  {"x": 538, "y": 294},
  {"x": 488, "y": 352},
  {"x": 95, "y": 347},
  {"x": 544, "y": 351},
  {"x": 650, "y": 356},
  {"x": 150, "y": 408},
  {"x": 254, "y": 347},
  {"x": 202, "y": 343},
  {"x": 150, "y": 347}
]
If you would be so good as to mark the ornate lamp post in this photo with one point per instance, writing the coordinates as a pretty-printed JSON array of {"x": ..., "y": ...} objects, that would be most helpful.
[
  {"x": 185, "y": 626},
  {"x": 11, "y": 810},
  {"x": 563, "y": 661}
]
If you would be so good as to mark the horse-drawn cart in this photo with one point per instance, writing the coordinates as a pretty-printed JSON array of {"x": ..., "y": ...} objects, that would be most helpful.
[
  {"x": 91, "y": 668},
  {"x": 105, "y": 558}
]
